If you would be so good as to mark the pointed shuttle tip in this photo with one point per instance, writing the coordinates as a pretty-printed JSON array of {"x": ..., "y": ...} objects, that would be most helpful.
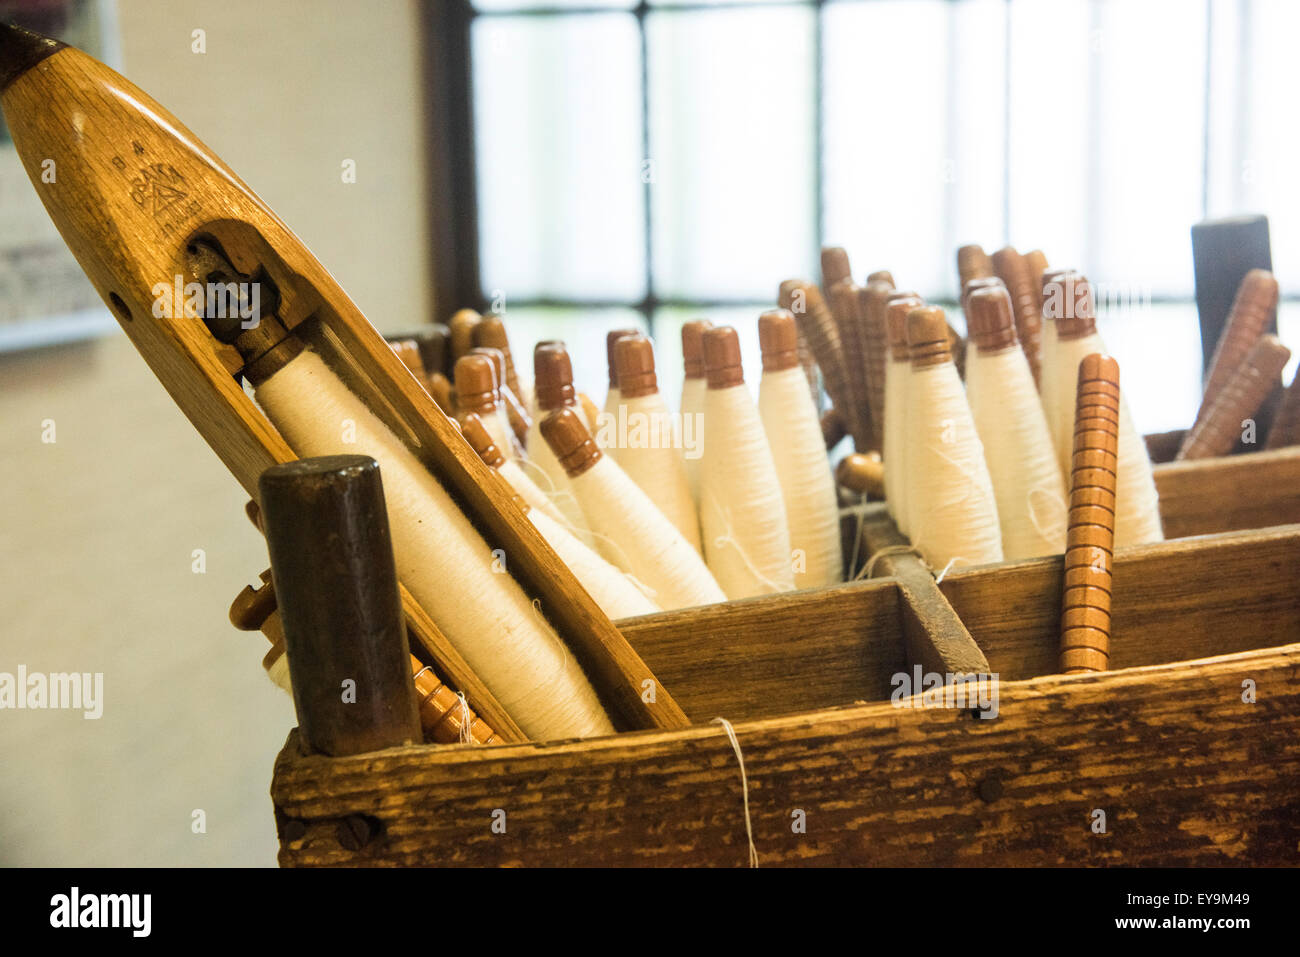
[{"x": 20, "y": 50}]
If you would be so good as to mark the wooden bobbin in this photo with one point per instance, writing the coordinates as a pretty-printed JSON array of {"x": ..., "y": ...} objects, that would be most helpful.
[
  {"x": 833, "y": 428},
  {"x": 1036, "y": 262},
  {"x": 990, "y": 323},
  {"x": 1013, "y": 270},
  {"x": 611, "y": 342},
  {"x": 1090, "y": 540},
  {"x": 927, "y": 337},
  {"x": 1049, "y": 277},
  {"x": 442, "y": 714},
  {"x": 570, "y": 441},
  {"x": 722, "y": 364},
  {"x": 778, "y": 340},
  {"x": 1067, "y": 299},
  {"x": 439, "y": 386},
  {"x": 461, "y": 333},
  {"x": 1251, "y": 316},
  {"x": 336, "y": 588},
  {"x": 846, "y": 307},
  {"x": 1239, "y": 399},
  {"x": 873, "y": 336},
  {"x": 552, "y": 378},
  {"x": 980, "y": 282},
  {"x": 481, "y": 441},
  {"x": 693, "y": 347},
  {"x": 1286, "y": 424},
  {"x": 881, "y": 275},
  {"x": 863, "y": 473},
  {"x": 817, "y": 327},
  {"x": 490, "y": 333},
  {"x": 973, "y": 263},
  {"x": 409, "y": 352},
  {"x": 518, "y": 416},
  {"x": 635, "y": 358},
  {"x": 476, "y": 386},
  {"x": 835, "y": 267},
  {"x": 897, "y": 307},
  {"x": 434, "y": 342}
]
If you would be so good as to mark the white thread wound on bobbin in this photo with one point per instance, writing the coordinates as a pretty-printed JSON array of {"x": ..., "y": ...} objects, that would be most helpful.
[
  {"x": 807, "y": 487},
  {"x": 951, "y": 507},
  {"x": 1027, "y": 481},
  {"x": 742, "y": 513},
  {"x": 649, "y": 453},
  {"x": 692, "y": 410},
  {"x": 643, "y": 538},
  {"x": 615, "y": 593},
  {"x": 442, "y": 559}
]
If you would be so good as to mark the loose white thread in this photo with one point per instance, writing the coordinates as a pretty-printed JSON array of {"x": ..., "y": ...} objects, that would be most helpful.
[
  {"x": 744, "y": 786},
  {"x": 868, "y": 570},
  {"x": 464, "y": 718}
]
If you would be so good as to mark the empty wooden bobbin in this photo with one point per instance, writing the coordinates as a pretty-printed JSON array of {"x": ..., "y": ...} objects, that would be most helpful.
[
  {"x": 1090, "y": 539},
  {"x": 336, "y": 589},
  {"x": 973, "y": 263},
  {"x": 1037, "y": 264},
  {"x": 835, "y": 266},
  {"x": 817, "y": 327},
  {"x": 873, "y": 336},
  {"x": 1251, "y": 316},
  {"x": 1013, "y": 270},
  {"x": 1217, "y": 432},
  {"x": 846, "y": 307}
]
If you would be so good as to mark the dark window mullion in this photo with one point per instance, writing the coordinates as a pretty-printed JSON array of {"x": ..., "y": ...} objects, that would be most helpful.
[{"x": 647, "y": 304}]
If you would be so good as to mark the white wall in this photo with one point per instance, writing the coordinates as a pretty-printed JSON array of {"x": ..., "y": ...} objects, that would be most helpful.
[{"x": 97, "y": 530}]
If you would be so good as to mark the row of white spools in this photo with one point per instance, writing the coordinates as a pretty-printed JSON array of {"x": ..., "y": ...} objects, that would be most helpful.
[
  {"x": 978, "y": 474},
  {"x": 647, "y": 520}
]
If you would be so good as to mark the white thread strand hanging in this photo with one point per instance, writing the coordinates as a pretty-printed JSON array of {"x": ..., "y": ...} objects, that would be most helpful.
[
  {"x": 442, "y": 559},
  {"x": 742, "y": 512},
  {"x": 1004, "y": 403},
  {"x": 529, "y": 492},
  {"x": 951, "y": 506},
  {"x": 740, "y": 760},
  {"x": 640, "y": 538},
  {"x": 799, "y": 452},
  {"x": 647, "y": 440}
]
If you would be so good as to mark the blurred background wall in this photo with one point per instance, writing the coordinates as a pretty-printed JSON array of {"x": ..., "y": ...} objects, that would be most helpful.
[{"x": 98, "y": 529}]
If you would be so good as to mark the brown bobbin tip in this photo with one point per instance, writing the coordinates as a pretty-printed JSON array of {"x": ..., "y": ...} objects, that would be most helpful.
[
  {"x": 989, "y": 320},
  {"x": 490, "y": 331},
  {"x": 835, "y": 265},
  {"x": 881, "y": 275},
  {"x": 973, "y": 262},
  {"x": 722, "y": 358},
  {"x": 461, "y": 331},
  {"x": 634, "y": 357},
  {"x": 979, "y": 282},
  {"x": 778, "y": 338},
  {"x": 1048, "y": 277},
  {"x": 611, "y": 343},
  {"x": 409, "y": 352},
  {"x": 498, "y": 360},
  {"x": 927, "y": 336},
  {"x": 476, "y": 433},
  {"x": 693, "y": 347},
  {"x": 1067, "y": 298},
  {"x": 552, "y": 376},
  {"x": 570, "y": 441},
  {"x": 476, "y": 384},
  {"x": 862, "y": 472},
  {"x": 896, "y": 310},
  {"x": 1098, "y": 365}
]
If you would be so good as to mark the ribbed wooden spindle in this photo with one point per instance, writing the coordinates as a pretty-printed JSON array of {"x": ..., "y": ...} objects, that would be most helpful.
[
  {"x": 973, "y": 263},
  {"x": 835, "y": 267},
  {"x": 1090, "y": 541},
  {"x": 1216, "y": 432},
  {"x": 1251, "y": 317},
  {"x": 846, "y": 307},
  {"x": 817, "y": 327},
  {"x": 873, "y": 303}
]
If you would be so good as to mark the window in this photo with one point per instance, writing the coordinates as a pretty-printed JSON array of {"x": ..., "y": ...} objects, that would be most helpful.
[{"x": 648, "y": 162}]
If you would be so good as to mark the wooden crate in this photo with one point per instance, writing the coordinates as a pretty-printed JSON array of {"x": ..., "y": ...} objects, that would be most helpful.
[{"x": 1188, "y": 748}]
